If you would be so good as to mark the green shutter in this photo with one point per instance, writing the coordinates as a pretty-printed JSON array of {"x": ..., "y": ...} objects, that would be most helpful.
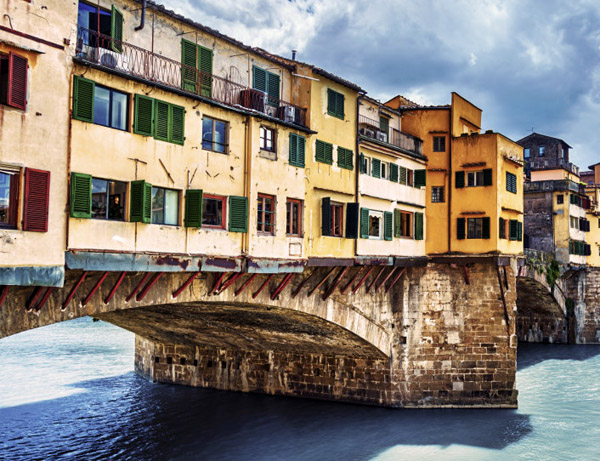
[
  {"x": 335, "y": 103},
  {"x": 83, "y": 99},
  {"x": 144, "y": 115},
  {"x": 384, "y": 125},
  {"x": 364, "y": 223},
  {"x": 511, "y": 182},
  {"x": 330, "y": 101},
  {"x": 460, "y": 228},
  {"x": 393, "y": 172},
  {"x": 301, "y": 151},
  {"x": 339, "y": 106},
  {"x": 293, "y": 149},
  {"x": 259, "y": 79},
  {"x": 116, "y": 30},
  {"x": 420, "y": 178},
  {"x": 459, "y": 179},
  {"x": 326, "y": 216},
  {"x": 519, "y": 231},
  {"x": 345, "y": 158},
  {"x": 397, "y": 223},
  {"x": 418, "y": 226},
  {"x": 403, "y": 175},
  {"x": 193, "y": 208},
  {"x": 329, "y": 153},
  {"x": 238, "y": 214},
  {"x": 513, "y": 232},
  {"x": 324, "y": 152},
  {"x": 501, "y": 228},
  {"x": 141, "y": 202},
  {"x": 387, "y": 225},
  {"x": 352, "y": 211},
  {"x": 177, "y": 124},
  {"x": 485, "y": 228},
  {"x": 487, "y": 177},
  {"x": 81, "y": 195},
  {"x": 376, "y": 168},
  {"x": 273, "y": 82},
  {"x": 363, "y": 164},
  {"x": 205, "y": 65},
  {"x": 188, "y": 68},
  {"x": 161, "y": 120}
]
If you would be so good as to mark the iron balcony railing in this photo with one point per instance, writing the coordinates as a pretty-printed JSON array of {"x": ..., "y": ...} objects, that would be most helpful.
[
  {"x": 124, "y": 57},
  {"x": 371, "y": 129}
]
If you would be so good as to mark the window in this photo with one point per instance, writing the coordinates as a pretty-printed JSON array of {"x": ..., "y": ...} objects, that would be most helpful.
[
  {"x": 515, "y": 230},
  {"x": 393, "y": 172},
  {"x": 375, "y": 225},
  {"x": 108, "y": 199},
  {"x": 160, "y": 119},
  {"x": 574, "y": 222},
  {"x": 335, "y": 103},
  {"x": 265, "y": 220},
  {"x": 474, "y": 178},
  {"x": 409, "y": 177},
  {"x": 165, "y": 206},
  {"x": 375, "y": 167},
  {"x": 293, "y": 217},
  {"x": 213, "y": 211},
  {"x": 324, "y": 152},
  {"x": 511, "y": 182},
  {"x": 478, "y": 228},
  {"x": 420, "y": 178},
  {"x": 439, "y": 143},
  {"x": 214, "y": 135},
  {"x": 403, "y": 175},
  {"x": 196, "y": 69},
  {"x": 13, "y": 80},
  {"x": 268, "y": 139},
  {"x": 437, "y": 194},
  {"x": 110, "y": 108},
  {"x": 337, "y": 221},
  {"x": 297, "y": 145},
  {"x": 345, "y": 158},
  {"x": 541, "y": 151},
  {"x": 9, "y": 197},
  {"x": 268, "y": 83},
  {"x": 560, "y": 199},
  {"x": 384, "y": 170},
  {"x": 100, "y": 27},
  {"x": 526, "y": 152},
  {"x": 403, "y": 224}
]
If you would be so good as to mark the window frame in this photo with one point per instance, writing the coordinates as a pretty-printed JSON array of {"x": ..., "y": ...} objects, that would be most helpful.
[
  {"x": 337, "y": 219},
  {"x": 511, "y": 182},
  {"x": 560, "y": 199},
  {"x": 541, "y": 151},
  {"x": 110, "y": 107},
  {"x": 439, "y": 144},
  {"x": 438, "y": 194},
  {"x": 290, "y": 204},
  {"x": 526, "y": 152},
  {"x": 223, "y": 200},
  {"x": 14, "y": 190},
  {"x": 406, "y": 227},
  {"x": 478, "y": 224},
  {"x": 476, "y": 175},
  {"x": 262, "y": 138},
  {"x": 212, "y": 141},
  {"x": 125, "y": 193},
  {"x": 375, "y": 214},
  {"x": 261, "y": 223},
  {"x": 178, "y": 206}
]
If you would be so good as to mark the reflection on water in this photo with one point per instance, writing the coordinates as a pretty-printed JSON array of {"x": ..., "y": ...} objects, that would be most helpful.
[{"x": 68, "y": 391}]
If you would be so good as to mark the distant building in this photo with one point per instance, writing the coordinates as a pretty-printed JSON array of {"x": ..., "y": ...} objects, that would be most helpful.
[{"x": 545, "y": 153}]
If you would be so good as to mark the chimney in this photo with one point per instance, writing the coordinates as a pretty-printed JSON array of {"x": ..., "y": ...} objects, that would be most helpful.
[{"x": 293, "y": 55}]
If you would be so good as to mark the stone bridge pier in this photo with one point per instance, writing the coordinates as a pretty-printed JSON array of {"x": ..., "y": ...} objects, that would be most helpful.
[{"x": 440, "y": 334}]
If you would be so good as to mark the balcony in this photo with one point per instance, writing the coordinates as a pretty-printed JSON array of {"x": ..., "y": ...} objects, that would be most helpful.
[
  {"x": 370, "y": 128},
  {"x": 120, "y": 56}
]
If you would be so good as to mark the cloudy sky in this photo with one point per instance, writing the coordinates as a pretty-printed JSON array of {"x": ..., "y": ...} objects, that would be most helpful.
[{"x": 529, "y": 64}]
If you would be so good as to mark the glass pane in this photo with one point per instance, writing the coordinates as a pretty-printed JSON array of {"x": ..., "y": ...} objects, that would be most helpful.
[
  {"x": 171, "y": 207},
  {"x": 5, "y": 198},
  {"x": 220, "y": 136},
  {"x": 207, "y": 134},
  {"x": 101, "y": 106},
  {"x": 158, "y": 205},
  {"x": 116, "y": 200},
  {"x": 99, "y": 187},
  {"x": 119, "y": 110},
  {"x": 212, "y": 212},
  {"x": 105, "y": 17}
]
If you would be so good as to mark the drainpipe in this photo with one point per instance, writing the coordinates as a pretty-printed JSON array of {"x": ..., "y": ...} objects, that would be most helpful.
[
  {"x": 450, "y": 182},
  {"x": 143, "y": 19},
  {"x": 356, "y": 176},
  {"x": 247, "y": 178}
]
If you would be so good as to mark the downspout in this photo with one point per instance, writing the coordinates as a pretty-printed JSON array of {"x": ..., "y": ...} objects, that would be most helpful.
[
  {"x": 143, "y": 18},
  {"x": 356, "y": 176},
  {"x": 450, "y": 182},
  {"x": 247, "y": 178},
  {"x": 69, "y": 140}
]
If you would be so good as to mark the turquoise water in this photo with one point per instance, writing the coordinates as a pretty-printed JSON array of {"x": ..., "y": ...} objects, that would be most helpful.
[{"x": 68, "y": 391}]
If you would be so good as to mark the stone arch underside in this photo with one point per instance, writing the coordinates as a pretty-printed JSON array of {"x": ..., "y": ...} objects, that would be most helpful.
[{"x": 539, "y": 317}]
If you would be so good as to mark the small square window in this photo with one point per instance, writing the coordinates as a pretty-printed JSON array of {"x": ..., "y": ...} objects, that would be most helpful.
[
  {"x": 541, "y": 151},
  {"x": 268, "y": 139},
  {"x": 213, "y": 211},
  {"x": 474, "y": 228},
  {"x": 439, "y": 143},
  {"x": 375, "y": 225},
  {"x": 108, "y": 199},
  {"x": 526, "y": 152},
  {"x": 560, "y": 199},
  {"x": 437, "y": 194},
  {"x": 214, "y": 135}
]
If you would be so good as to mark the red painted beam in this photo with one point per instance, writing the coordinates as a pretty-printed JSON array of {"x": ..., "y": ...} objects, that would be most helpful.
[
  {"x": 245, "y": 284},
  {"x": 386, "y": 278},
  {"x": 265, "y": 283},
  {"x": 287, "y": 279},
  {"x": 362, "y": 280},
  {"x": 73, "y": 291},
  {"x": 352, "y": 280},
  {"x": 3, "y": 294},
  {"x": 49, "y": 291},
  {"x": 150, "y": 284},
  {"x": 375, "y": 279},
  {"x": 395, "y": 280},
  {"x": 33, "y": 298},
  {"x": 115, "y": 287},
  {"x": 217, "y": 285},
  {"x": 185, "y": 284},
  {"x": 138, "y": 286},
  {"x": 230, "y": 281},
  {"x": 335, "y": 283},
  {"x": 318, "y": 285},
  {"x": 93, "y": 291},
  {"x": 299, "y": 287},
  {"x": 466, "y": 274}
]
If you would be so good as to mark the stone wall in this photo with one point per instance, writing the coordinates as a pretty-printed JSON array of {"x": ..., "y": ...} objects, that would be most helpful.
[
  {"x": 539, "y": 230},
  {"x": 583, "y": 288}
]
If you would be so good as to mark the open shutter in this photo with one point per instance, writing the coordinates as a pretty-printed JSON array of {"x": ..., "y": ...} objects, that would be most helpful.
[
  {"x": 387, "y": 225},
  {"x": 193, "y": 208},
  {"x": 363, "y": 164},
  {"x": 83, "y": 99},
  {"x": 188, "y": 68},
  {"x": 460, "y": 228},
  {"x": 326, "y": 216},
  {"x": 376, "y": 168},
  {"x": 238, "y": 214},
  {"x": 301, "y": 150},
  {"x": 519, "y": 231},
  {"x": 485, "y": 228},
  {"x": 293, "y": 149},
  {"x": 487, "y": 177},
  {"x": 144, "y": 115},
  {"x": 331, "y": 101},
  {"x": 273, "y": 88},
  {"x": 339, "y": 105},
  {"x": 36, "y": 203},
  {"x": 501, "y": 229},
  {"x": 364, "y": 223},
  {"x": 17, "y": 81},
  {"x": 81, "y": 195},
  {"x": 116, "y": 30},
  {"x": 177, "y": 124},
  {"x": 512, "y": 229},
  {"x": 393, "y": 172},
  {"x": 259, "y": 79},
  {"x": 403, "y": 175},
  {"x": 459, "y": 179},
  {"x": 205, "y": 65},
  {"x": 384, "y": 125},
  {"x": 161, "y": 126},
  {"x": 397, "y": 223},
  {"x": 587, "y": 250},
  {"x": 420, "y": 180},
  {"x": 418, "y": 226},
  {"x": 352, "y": 220},
  {"x": 140, "y": 202}
]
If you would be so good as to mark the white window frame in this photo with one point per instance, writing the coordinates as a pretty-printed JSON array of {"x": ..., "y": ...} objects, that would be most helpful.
[{"x": 378, "y": 215}]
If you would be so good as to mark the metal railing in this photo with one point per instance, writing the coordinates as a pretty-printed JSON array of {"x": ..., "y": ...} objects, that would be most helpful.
[
  {"x": 124, "y": 57},
  {"x": 371, "y": 129}
]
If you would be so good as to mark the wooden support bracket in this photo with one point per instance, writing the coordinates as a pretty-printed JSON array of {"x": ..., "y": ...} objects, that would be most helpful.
[
  {"x": 44, "y": 299},
  {"x": 335, "y": 283},
  {"x": 299, "y": 287},
  {"x": 395, "y": 279},
  {"x": 138, "y": 286},
  {"x": 375, "y": 279},
  {"x": 352, "y": 280},
  {"x": 3, "y": 294},
  {"x": 73, "y": 290},
  {"x": 185, "y": 284},
  {"x": 115, "y": 287},
  {"x": 230, "y": 281},
  {"x": 318, "y": 285},
  {"x": 265, "y": 283},
  {"x": 150, "y": 284},
  {"x": 287, "y": 279},
  {"x": 217, "y": 284},
  {"x": 245, "y": 284},
  {"x": 37, "y": 291},
  {"x": 362, "y": 280},
  {"x": 385, "y": 279},
  {"x": 91, "y": 293},
  {"x": 466, "y": 274}
]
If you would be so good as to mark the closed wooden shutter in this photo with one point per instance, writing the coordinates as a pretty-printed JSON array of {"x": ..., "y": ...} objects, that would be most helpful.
[
  {"x": 177, "y": 124},
  {"x": 188, "y": 68},
  {"x": 587, "y": 250},
  {"x": 459, "y": 179},
  {"x": 420, "y": 178},
  {"x": 339, "y": 105},
  {"x": 397, "y": 223},
  {"x": 403, "y": 175},
  {"x": 259, "y": 79},
  {"x": 384, "y": 125},
  {"x": 301, "y": 151},
  {"x": 418, "y": 226},
  {"x": 485, "y": 228},
  {"x": 144, "y": 115},
  {"x": 363, "y": 164},
  {"x": 519, "y": 231},
  {"x": 205, "y": 66},
  {"x": 513, "y": 229},
  {"x": 345, "y": 157},
  {"x": 364, "y": 223},
  {"x": 17, "y": 81},
  {"x": 487, "y": 177},
  {"x": 460, "y": 228},
  {"x": 393, "y": 172},
  {"x": 193, "y": 208},
  {"x": 501, "y": 228},
  {"x": 238, "y": 214},
  {"x": 161, "y": 126},
  {"x": 387, "y": 225},
  {"x": 376, "y": 168},
  {"x": 293, "y": 149},
  {"x": 37, "y": 200},
  {"x": 326, "y": 216},
  {"x": 324, "y": 152},
  {"x": 273, "y": 82},
  {"x": 330, "y": 101},
  {"x": 83, "y": 99},
  {"x": 140, "y": 209},
  {"x": 116, "y": 30},
  {"x": 81, "y": 195},
  {"x": 352, "y": 220}
]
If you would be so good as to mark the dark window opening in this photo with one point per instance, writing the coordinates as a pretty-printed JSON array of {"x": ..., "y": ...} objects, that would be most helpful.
[
  {"x": 108, "y": 199},
  {"x": 9, "y": 197},
  {"x": 213, "y": 211}
]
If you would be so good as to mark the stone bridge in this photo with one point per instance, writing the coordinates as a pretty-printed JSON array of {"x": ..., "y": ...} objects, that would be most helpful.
[{"x": 438, "y": 334}]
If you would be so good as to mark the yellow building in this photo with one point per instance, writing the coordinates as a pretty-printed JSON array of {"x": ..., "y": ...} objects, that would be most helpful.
[
  {"x": 474, "y": 180},
  {"x": 592, "y": 190}
]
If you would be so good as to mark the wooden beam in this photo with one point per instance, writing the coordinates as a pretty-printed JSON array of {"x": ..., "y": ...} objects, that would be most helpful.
[
  {"x": 114, "y": 288},
  {"x": 335, "y": 283},
  {"x": 265, "y": 283},
  {"x": 318, "y": 285},
  {"x": 217, "y": 284},
  {"x": 362, "y": 280},
  {"x": 44, "y": 299},
  {"x": 375, "y": 279},
  {"x": 386, "y": 278},
  {"x": 185, "y": 284},
  {"x": 3, "y": 294},
  {"x": 230, "y": 281},
  {"x": 138, "y": 286},
  {"x": 37, "y": 291},
  {"x": 150, "y": 284},
  {"x": 73, "y": 290},
  {"x": 287, "y": 279},
  {"x": 395, "y": 279},
  {"x": 466, "y": 274},
  {"x": 91, "y": 293},
  {"x": 299, "y": 287},
  {"x": 352, "y": 280},
  {"x": 245, "y": 284}
]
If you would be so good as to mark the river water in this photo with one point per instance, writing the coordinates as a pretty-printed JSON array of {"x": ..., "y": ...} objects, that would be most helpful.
[{"x": 68, "y": 391}]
